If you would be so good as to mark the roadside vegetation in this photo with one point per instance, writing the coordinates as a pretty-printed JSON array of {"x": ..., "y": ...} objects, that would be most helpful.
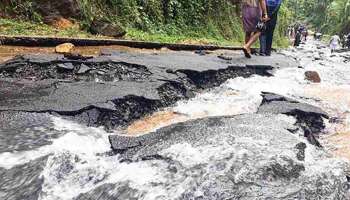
[
  {"x": 327, "y": 16},
  {"x": 32, "y": 28},
  {"x": 174, "y": 21}
]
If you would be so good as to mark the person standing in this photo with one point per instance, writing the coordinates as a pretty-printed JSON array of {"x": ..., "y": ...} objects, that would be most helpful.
[
  {"x": 252, "y": 12},
  {"x": 267, "y": 37},
  {"x": 334, "y": 43},
  {"x": 346, "y": 41}
]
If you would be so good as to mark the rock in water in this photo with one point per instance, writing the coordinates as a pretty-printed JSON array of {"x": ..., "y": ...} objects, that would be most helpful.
[
  {"x": 103, "y": 27},
  {"x": 64, "y": 48},
  {"x": 312, "y": 76}
]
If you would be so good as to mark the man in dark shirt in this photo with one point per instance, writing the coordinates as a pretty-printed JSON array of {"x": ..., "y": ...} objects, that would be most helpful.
[
  {"x": 297, "y": 39},
  {"x": 348, "y": 41},
  {"x": 267, "y": 37}
]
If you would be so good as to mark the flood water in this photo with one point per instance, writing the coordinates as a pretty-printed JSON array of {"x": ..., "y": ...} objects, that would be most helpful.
[{"x": 77, "y": 163}]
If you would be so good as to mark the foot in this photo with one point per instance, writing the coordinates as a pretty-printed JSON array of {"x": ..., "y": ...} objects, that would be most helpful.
[{"x": 246, "y": 52}]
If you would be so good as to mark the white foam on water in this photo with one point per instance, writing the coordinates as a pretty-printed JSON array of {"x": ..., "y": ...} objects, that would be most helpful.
[
  {"x": 79, "y": 139},
  {"x": 75, "y": 165},
  {"x": 221, "y": 101},
  {"x": 242, "y": 95},
  {"x": 314, "y": 165}
]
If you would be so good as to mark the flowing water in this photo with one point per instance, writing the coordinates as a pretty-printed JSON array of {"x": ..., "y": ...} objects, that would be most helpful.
[{"x": 75, "y": 162}]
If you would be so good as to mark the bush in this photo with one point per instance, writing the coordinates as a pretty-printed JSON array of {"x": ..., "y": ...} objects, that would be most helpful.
[{"x": 210, "y": 19}]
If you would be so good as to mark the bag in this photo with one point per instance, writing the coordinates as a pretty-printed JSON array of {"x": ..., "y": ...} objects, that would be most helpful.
[{"x": 261, "y": 26}]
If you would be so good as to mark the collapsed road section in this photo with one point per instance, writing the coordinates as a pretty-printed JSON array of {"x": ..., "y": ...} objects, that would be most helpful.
[
  {"x": 113, "y": 90},
  {"x": 309, "y": 121},
  {"x": 255, "y": 152}
]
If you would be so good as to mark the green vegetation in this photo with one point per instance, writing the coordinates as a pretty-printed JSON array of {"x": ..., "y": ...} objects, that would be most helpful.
[
  {"x": 187, "y": 37},
  {"x": 180, "y": 21},
  {"x": 328, "y": 16},
  {"x": 20, "y": 27}
]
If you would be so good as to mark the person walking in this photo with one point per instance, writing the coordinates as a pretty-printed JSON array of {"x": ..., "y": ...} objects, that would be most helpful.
[
  {"x": 297, "y": 39},
  {"x": 334, "y": 43},
  {"x": 253, "y": 22},
  {"x": 305, "y": 34},
  {"x": 267, "y": 37}
]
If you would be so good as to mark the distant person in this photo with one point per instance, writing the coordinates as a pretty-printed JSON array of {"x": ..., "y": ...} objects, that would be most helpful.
[
  {"x": 305, "y": 34},
  {"x": 290, "y": 32},
  {"x": 297, "y": 39},
  {"x": 347, "y": 41},
  {"x": 334, "y": 43},
  {"x": 267, "y": 37},
  {"x": 318, "y": 36},
  {"x": 251, "y": 15},
  {"x": 343, "y": 41}
]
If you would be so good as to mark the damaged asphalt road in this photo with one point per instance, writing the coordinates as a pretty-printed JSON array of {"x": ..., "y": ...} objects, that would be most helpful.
[
  {"x": 248, "y": 156},
  {"x": 115, "y": 89},
  {"x": 309, "y": 119}
]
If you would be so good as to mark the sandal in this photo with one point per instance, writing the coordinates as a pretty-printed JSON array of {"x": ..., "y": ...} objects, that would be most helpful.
[{"x": 246, "y": 53}]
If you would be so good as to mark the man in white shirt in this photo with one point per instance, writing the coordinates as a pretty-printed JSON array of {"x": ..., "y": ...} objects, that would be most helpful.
[{"x": 334, "y": 43}]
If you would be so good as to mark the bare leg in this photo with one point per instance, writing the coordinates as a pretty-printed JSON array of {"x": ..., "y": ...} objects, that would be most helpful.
[
  {"x": 247, "y": 50},
  {"x": 247, "y": 37},
  {"x": 251, "y": 41}
]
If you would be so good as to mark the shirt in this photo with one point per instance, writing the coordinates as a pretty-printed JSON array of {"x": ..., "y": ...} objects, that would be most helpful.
[
  {"x": 273, "y": 3},
  {"x": 273, "y": 6},
  {"x": 335, "y": 39}
]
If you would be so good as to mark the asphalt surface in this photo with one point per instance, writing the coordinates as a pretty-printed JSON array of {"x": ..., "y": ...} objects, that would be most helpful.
[
  {"x": 250, "y": 156},
  {"x": 71, "y": 85},
  {"x": 309, "y": 119}
]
